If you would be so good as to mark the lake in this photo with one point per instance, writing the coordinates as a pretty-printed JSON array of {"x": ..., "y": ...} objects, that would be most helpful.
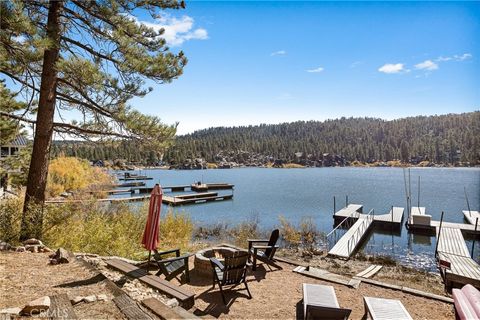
[{"x": 268, "y": 193}]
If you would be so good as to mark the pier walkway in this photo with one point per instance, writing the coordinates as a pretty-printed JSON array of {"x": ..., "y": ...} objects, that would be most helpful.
[
  {"x": 349, "y": 242},
  {"x": 453, "y": 255}
]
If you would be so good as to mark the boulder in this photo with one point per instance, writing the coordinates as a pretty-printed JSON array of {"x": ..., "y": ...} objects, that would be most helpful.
[
  {"x": 89, "y": 299},
  {"x": 20, "y": 249},
  {"x": 76, "y": 300},
  {"x": 61, "y": 256},
  {"x": 36, "y": 306},
  {"x": 33, "y": 241},
  {"x": 172, "y": 303},
  {"x": 4, "y": 246},
  {"x": 32, "y": 247},
  {"x": 12, "y": 311},
  {"x": 102, "y": 297}
]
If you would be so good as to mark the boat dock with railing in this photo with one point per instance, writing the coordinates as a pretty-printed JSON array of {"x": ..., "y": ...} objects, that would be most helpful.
[{"x": 349, "y": 242}]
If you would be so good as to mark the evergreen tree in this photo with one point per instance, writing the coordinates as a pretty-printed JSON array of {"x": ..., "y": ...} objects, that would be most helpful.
[{"x": 90, "y": 56}]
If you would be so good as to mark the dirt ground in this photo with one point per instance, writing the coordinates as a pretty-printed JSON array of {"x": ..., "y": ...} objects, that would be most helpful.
[
  {"x": 277, "y": 294},
  {"x": 28, "y": 276}
]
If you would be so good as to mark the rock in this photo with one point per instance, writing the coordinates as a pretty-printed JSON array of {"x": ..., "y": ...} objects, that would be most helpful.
[
  {"x": 13, "y": 311},
  {"x": 20, "y": 249},
  {"x": 76, "y": 300},
  {"x": 36, "y": 306},
  {"x": 47, "y": 249},
  {"x": 61, "y": 256},
  {"x": 172, "y": 303},
  {"x": 33, "y": 241},
  {"x": 102, "y": 297},
  {"x": 4, "y": 246},
  {"x": 31, "y": 247},
  {"x": 89, "y": 299}
]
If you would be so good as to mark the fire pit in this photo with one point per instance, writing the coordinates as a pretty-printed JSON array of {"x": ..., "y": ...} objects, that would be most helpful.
[{"x": 202, "y": 259}]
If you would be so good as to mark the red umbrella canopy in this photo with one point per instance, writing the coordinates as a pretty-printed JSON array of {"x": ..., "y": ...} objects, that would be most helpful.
[{"x": 150, "y": 234}]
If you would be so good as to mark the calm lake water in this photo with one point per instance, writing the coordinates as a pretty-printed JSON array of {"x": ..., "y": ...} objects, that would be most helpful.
[{"x": 299, "y": 193}]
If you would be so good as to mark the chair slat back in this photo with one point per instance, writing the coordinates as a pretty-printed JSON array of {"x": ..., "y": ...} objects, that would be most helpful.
[
  {"x": 271, "y": 242},
  {"x": 235, "y": 267}
]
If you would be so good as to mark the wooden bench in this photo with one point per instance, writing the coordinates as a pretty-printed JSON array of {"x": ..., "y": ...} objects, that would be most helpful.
[
  {"x": 320, "y": 302},
  {"x": 385, "y": 309},
  {"x": 184, "y": 297}
]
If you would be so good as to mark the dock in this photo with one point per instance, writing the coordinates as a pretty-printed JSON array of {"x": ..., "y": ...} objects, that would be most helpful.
[
  {"x": 169, "y": 200},
  {"x": 456, "y": 265},
  {"x": 471, "y": 216},
  {"x": 350, "y": 241},
  {"x": 423, "y": 222},
  {"x": 352, "y": 238}
]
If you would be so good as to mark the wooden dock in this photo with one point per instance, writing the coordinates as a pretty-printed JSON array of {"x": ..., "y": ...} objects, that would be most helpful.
[
  {"x": 348, "y": 243},
  {"x": 354, "y": 211},
  {"x": 452, "y": 253},
  {"x": 471, "y": 216},
  {"x": 170, "y": 200}
]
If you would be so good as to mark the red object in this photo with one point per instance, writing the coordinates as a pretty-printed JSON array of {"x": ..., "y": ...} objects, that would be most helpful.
[
  {"x": 150, "y": 234},
  {"x": 445, "y": 264},
  {"x": 467, "y": 302}
]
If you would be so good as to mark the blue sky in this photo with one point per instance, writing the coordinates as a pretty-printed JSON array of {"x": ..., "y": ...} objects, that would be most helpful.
[{"x": 271, "y": 62}]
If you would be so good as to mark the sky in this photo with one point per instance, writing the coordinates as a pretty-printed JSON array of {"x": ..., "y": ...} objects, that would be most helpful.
[
  {"x": 253, "y": 62},
  {"x": 279, "y": 61}
]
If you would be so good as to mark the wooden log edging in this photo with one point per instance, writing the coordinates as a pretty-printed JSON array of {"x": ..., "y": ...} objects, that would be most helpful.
[
  {"x": 117, "y": 292},
  {"x": 415, "y": 292}
]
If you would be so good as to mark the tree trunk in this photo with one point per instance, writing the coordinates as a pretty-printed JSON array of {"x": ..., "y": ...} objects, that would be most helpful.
[{"x": 32, "y": 217}]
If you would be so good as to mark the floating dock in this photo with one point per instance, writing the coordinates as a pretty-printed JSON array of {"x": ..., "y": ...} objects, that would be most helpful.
[
  {"x": 472, "y": 216},
  {"x": 420, "y": 221},
  {"x": 350, "y": 241},
  {"x": 457, "y": 267}
]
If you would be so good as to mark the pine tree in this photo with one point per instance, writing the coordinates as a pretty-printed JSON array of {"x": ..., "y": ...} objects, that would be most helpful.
[{"x": 90, "y": 56}]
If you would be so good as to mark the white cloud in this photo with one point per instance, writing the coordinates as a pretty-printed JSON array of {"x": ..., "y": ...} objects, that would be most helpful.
[
  {"x": 177, "y": 30},
  {"x": 427, "y": 65},
  {"x": 392, "y": 68},
  {"x": 441, "y": 59},
  {"x": 356, "y": 64},
  {"x": 456, "y": 57},
  {"x": 316, "y": 70},
  {"x": 278, "y": 53},
  {"x": 462, "y": 57}
]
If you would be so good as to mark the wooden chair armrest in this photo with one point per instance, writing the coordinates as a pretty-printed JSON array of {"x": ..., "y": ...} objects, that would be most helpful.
[
  {"x": 161, "y": 253},
  {"x": 265, "y": 247},
  {"x": 216, "y": 263},
  {"x": 185, "y": 256},
  {"x": 257, "y": 240}
]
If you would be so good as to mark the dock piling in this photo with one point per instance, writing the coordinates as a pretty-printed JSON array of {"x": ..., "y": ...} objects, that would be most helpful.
[
  {"x": 346, "y": 200},
  {"x": 334, "y": 205},
  {"x": 439, "y": 233}
]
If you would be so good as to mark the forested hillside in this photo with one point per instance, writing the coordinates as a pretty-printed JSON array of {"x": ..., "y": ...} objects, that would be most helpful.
[{"x": 445, "y": 139}]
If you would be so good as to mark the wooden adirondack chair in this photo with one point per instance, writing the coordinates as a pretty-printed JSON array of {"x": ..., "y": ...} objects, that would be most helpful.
[
  {"x": 232, "y": 272},
  {"x": 264, "y": 249},
  {"x": 173, "y": 266}
]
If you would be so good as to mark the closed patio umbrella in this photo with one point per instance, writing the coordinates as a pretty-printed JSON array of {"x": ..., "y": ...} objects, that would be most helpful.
[{"x": 150, "y": 234}]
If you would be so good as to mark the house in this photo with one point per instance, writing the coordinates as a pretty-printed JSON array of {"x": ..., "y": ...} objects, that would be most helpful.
[{"x": 13, "y": 147}]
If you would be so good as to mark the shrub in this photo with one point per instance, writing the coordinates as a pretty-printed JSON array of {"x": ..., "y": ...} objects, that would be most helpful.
[
  {"x": 289, "y": 233},
  {"x": 245, "y": 230},
  {"x": 74, "y": 174},
  {"x": 104, "y": 229},
  {"x": 10, "y": 218}
]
